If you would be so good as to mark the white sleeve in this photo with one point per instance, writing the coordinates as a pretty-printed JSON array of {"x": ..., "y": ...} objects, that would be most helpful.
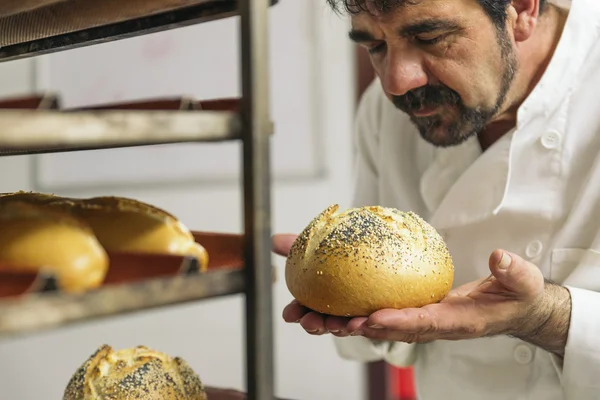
[
  {"x": 580, "y": 368},
  {"x": 581, "y": 364},
  {"x": 366, "y": 192}
]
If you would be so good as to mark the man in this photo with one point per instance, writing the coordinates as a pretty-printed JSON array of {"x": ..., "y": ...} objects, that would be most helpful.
[{"x": 485, "y": 121}]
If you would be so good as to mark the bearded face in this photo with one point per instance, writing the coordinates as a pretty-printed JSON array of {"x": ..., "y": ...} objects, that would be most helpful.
[{"x": 444, "y": 63}]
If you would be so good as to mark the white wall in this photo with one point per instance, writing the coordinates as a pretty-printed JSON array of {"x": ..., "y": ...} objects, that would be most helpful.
[{"x": 312, "y": 95}]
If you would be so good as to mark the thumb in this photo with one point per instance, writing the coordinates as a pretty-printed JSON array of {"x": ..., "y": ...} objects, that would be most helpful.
[
  {"x": 516, "y": 274},
  {"x": 282, "y": 243}
]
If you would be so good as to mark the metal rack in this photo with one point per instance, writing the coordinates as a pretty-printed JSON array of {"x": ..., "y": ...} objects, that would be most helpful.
[{"x": 34, "y": 27}]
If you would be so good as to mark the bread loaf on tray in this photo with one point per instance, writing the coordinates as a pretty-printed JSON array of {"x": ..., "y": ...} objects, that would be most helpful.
[
  {"x": 124, "y": 225},
  {"x": 134, "y": 373},
  {"x": 38, "y": 238}
]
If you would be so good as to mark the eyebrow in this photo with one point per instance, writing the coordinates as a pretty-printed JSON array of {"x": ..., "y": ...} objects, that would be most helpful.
[
  {"x": 428, "y": 26},
  {"x": 424, "y": 26},
  {"x": 359, "y": 36}
]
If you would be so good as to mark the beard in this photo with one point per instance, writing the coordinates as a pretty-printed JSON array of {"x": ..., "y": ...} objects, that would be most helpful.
[{"x": 455, "y": 122}]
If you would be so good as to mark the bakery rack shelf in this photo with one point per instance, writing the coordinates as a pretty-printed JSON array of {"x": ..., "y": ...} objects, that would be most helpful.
[
  {"x": 32, "y": 302},
  {"x": 35, "y": 27},
  {"x": 136, "y": 123},
  {"x": 42, "y": 311},
  {"x": 24, "y": 132}
]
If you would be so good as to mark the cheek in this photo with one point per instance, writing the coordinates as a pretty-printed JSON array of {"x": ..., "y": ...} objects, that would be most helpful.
[{"x": 468, "y": 72}]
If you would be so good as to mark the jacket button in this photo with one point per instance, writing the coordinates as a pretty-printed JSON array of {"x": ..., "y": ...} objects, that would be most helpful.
[
  {"x": 551, "y": 140},
  {"x": 523, "y": 354},
  {"x": 534, "y": 249}
]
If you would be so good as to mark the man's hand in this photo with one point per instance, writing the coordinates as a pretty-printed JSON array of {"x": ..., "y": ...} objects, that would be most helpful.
[{"x": 514, "y": 300}]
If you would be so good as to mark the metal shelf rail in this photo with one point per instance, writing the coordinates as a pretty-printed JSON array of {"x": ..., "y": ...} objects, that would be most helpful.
[{"x": 33, "y": 27}]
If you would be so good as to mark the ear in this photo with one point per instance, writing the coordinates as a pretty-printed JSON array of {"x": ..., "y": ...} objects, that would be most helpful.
[{"x": 523, "y": 16}]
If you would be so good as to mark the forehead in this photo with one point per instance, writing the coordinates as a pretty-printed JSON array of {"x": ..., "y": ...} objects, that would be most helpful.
[{"x": 404, "y": 12}]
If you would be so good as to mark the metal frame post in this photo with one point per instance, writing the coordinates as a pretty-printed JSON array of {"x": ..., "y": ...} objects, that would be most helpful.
[{"x": 257, "y": 202}]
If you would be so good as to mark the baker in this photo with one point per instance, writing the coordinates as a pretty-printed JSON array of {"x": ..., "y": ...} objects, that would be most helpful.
[{"x": 484, "y": 119}]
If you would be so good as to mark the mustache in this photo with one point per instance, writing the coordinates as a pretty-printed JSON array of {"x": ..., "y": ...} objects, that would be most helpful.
[{"x": 426, "y": 96}]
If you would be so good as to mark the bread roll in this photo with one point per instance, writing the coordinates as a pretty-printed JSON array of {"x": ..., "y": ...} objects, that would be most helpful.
[
  {"x": 134, "y": 373},
  {"x": 29, "y": 197},
  {"x": 38, "y": 238},
  {"x": 125, "y": 225},
  {"x": 361, "y": 260}
]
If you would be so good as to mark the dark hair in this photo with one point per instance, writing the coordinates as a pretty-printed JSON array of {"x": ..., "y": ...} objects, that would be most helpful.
[{"x": 495, "y": 9}]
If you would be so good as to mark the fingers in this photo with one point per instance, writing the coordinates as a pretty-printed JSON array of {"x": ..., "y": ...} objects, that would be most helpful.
[
  {"x": 409, "y": 320},
  {"x": 319, "y": 324},
  {"x": 314, "y": 322},
  {"x": 356, "y": 326},
  {"x": 516, "y": 274},
  {"x": 337, "y": 326},
  {"x": 440, "y": 320},
  {"x": 294, "y": 312},
  {"x": 282, "y": 243}
]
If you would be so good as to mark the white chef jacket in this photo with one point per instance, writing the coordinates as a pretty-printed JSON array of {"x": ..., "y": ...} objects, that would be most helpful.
[{"x": 535, "y": 192}]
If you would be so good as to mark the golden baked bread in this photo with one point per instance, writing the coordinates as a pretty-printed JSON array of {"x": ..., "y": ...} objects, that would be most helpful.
[
  {"x": 125, "y": 225},
  {"x": 29, "y": 197},
  {"x": 135, "y": 373},
  {"x": 34, "y": 237},
  {"x": 361, "y": 260},
  {"x": 128, "y": 225}
]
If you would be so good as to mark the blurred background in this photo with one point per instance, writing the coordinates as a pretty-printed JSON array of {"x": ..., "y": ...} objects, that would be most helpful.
[{"x": 316, "y": 78}]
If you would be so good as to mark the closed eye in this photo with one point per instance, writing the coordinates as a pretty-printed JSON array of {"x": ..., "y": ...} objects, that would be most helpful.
[
  {"x": 377, "y": 49},
  {"x": 430, "y": 41}
]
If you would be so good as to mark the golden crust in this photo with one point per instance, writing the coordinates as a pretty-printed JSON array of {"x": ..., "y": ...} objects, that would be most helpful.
[
  {"x": 135, "y": 373},
  {"x": 29, "y": 197},
  {"x": 124, "y": 225},
  {"x": 128, "y": 225},
  {"x": 38, "y": 238},
  {"x": 361, "y": 260}
]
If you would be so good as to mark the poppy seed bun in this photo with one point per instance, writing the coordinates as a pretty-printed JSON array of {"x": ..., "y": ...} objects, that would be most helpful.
[
  {"x": 361, "y": 260},
  {"x": 134, "y": 373}
]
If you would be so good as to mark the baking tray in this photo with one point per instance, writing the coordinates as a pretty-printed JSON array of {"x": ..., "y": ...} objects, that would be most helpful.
[
  {"x": 31, "y": 302},
  {"x": 51, "y": 101}
]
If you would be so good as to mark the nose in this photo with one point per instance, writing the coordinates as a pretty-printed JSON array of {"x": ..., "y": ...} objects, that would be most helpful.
[{"x": 403, "y": 73}]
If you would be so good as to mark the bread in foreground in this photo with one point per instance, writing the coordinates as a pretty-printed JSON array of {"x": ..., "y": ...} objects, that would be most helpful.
[
  {"x": 355, "y": 262},
  {"x": 38, "y": 238},
  {"x": 137, "y": 373}
]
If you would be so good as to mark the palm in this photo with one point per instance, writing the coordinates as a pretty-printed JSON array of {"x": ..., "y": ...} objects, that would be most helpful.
[
  {"x": 495, "y": 305},
  {"x": 476, "y": 309}
]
